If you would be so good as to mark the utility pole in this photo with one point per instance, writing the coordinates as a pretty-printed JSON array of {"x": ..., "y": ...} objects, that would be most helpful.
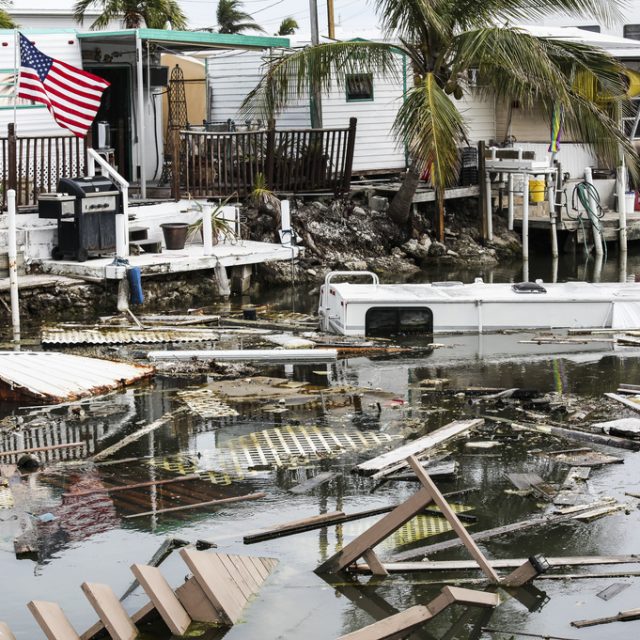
[
  {"x": 316, "y": 93},
  {"x": 331, "y": 20}
]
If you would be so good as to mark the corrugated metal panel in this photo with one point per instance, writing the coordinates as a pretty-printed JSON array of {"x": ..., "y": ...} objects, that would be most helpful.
[
  {"x": 126, "y": 336},
  {"x": 58, "y": 377}
]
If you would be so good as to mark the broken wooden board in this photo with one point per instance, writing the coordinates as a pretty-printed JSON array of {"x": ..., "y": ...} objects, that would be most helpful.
[
  {"x": 5, "y": 632},
  {"x": 581, "y": 457},
  {"x": 229, "y": 581},
  {"x": 27, "y": 376},
  {"x": 524, "y": 481},
  {"x": 207, "y": 404},
  {"x": 594, "y": 514},
  {"x": 632, "y": 402},
  {"x": 612, "y": 590},
  {"x": 624, "y": 427},
  {"x": 444, "y": 470},
  {"x": 622, "y": 616},
  {"x": 110, "y": 611},
  {"x": 512, "y": 563},
  {"x": 392, "y": 461},
  {"x": 313, "y": 483},
  {"x": 52, "y": 620},
  {"x": 400, "y": 624},
  {"x": 163, "y": 598}
]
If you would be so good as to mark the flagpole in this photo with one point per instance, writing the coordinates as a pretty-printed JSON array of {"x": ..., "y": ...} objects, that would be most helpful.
[{"x": 16, "y": 76}]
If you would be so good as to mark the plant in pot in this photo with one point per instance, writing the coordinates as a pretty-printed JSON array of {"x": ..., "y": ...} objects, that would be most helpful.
[
  {"x": 265, "y": 201},
  {"x": 219, "y": 226}
]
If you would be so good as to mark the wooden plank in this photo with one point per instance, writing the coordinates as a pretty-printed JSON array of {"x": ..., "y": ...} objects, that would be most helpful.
[
  {"x": 377, "y": 533},
  {"x": 511, "y": 563},
  {"x": 524, "y": 481},
  {"x": 295, "y": 526},
  {"x": 251, "y": 575},
  {"x": 314, "y": 483},
  {"x": 262, "y": 569},
  {"x": 452, "y": 519},
  {"x": 197, "y": 605},
  {"x": 238, "y": 577},
  {"x": 163, "y": 597},
  {"x": 97, "y": 630},
  {"x": 110, "y": 611},
  {"x": 374, "y": 563},
  {"x": 199, "y": 505},
  {"x": 5, "y": 632},
  {"x": 622, "y": 616},
  {"x": 396, "y": 459},
  {"x": 52, "y": 620},
  {"x": 214, "y": 580}
]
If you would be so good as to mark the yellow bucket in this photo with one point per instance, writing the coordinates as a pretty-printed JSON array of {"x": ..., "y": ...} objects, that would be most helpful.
[{"x": 536, "y": 191}]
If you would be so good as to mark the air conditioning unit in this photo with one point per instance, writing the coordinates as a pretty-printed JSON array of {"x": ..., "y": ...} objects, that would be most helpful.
[{"x": 158, "y": 76}]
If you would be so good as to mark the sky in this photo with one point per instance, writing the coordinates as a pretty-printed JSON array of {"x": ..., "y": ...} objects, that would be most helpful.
[{"x": 352, "y": 15}]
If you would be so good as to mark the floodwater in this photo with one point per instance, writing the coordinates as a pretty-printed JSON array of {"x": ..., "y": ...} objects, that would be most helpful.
[{"x": 91, "y": 539}]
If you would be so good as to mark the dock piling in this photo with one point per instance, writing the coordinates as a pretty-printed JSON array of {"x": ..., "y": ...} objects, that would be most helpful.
[{"x": 13, "y": 266}]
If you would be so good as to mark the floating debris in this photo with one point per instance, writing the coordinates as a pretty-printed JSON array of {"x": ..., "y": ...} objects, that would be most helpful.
[
  {"x": 207, "y": 404},
  {"x": 127, "y": 336},
  {"x": 6, "y": 498}
]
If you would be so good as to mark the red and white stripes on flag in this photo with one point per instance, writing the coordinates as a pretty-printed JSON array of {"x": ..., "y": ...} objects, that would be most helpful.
[{"x": 71, "y": 95}]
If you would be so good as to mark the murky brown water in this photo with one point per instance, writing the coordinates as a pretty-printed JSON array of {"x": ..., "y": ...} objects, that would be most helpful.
[{"x": 91, "y": 539}]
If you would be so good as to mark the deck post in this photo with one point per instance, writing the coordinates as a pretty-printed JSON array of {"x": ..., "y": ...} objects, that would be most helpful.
[
  {"x": 12, "y": 146},
  {"x": 622, "y": 205},
  {"x": 271, "y": 149},
  {"x": 489, "y": 206},
  {"x": 510, "y": 201},
  {"x": 551, "y": 198},
  {"x": 348, "y": 164},
  {"x": 140, "y": 133},
  {"x": 482, "y": 203},
  {"x": 13, "y": 266},
  {"x": 175, "y": 163},
  {"x": 525, "y": 220}
]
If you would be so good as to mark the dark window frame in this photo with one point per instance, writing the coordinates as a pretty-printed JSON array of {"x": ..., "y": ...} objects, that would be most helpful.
[{"x": 360, "y": 78}]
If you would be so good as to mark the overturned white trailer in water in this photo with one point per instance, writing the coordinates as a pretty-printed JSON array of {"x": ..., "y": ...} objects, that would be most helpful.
[{"x": 371, "y": 308}]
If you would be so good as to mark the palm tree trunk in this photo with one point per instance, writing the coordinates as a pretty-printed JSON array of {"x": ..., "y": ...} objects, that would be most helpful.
[
  {"x": 400, "y": 207},
  {"x": 439, "y": 217}
]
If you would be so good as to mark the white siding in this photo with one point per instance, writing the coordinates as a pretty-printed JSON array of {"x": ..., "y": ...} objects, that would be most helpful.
[
  {"x": 37, "y": 121},
  {"x": 479, "y": 112}
]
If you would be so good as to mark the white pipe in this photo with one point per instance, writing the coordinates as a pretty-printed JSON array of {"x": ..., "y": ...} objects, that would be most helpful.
[
  {"x": 122, "y": 221},
  {"x": 525, "y": 218},
  {"x": 597, "y": 238},
  {"x": 207, "y": 234},
  {"x": 13, "y": 265},
  {"x": 622, "y": 205},
  {"x": 551, "y": 180},
  {"x": 487, "y": 188},
  {"x": 140, "y": 119},
  {"x": 510, "y": 201}
]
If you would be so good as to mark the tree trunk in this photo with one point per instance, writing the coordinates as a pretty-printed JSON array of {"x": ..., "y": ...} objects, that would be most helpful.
[{"x": 400, "y": 207}]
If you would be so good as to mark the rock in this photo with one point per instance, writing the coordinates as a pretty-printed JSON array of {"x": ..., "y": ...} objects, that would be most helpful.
[
  {"x": 320, "y": 206},
  {"x": 437, "y": 250},
  {"x": 397, "y": 252},
  {"x": 355, "y": 265},
  {"x": 453, "y": 254},
  {"x": 378, "y": 203},
  {"x": 359, "y": 211},
  {"x": 417, "y": 250}
]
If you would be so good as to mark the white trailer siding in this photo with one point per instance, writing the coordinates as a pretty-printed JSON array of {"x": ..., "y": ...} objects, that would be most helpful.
[
  {"x": 33, "y": 120},
  {"x": 479, "y": 113}
]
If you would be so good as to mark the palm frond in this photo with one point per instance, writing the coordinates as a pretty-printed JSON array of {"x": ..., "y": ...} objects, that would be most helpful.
[
  {"x": 433, "y": 129},
  {"x": 287, "y": 77},
  {"x": 6, "y": 21},
  {"x": 416, "y": 20}
]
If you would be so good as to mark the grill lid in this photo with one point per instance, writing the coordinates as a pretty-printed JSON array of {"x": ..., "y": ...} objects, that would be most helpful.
[{"x": 83, "y": 186}]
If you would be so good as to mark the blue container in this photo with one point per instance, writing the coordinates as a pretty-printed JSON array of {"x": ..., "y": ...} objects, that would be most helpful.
[{"x": 136, "y": 295}]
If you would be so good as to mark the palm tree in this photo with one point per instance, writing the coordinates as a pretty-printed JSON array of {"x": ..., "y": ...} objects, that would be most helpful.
[
  {"x": 231, "y": 18},
  {"x": 6, "y": 21},
  {"x": 444, "y": 40},
  {"x": 134, "y": 14},
  {"x": 287, "y": 27}
]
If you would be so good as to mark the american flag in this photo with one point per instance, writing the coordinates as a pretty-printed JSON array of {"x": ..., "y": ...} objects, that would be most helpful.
[{"x": 71, "y": 95}]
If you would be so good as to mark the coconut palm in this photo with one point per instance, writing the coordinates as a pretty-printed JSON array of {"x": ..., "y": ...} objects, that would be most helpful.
[
  {"x": 232, "y": 19},
  {"x": 6, "y": 21},
  {"x": 444, "y": 40},
  {"x": 287, "y": 27},
  {"x": 133, "y": 14}
]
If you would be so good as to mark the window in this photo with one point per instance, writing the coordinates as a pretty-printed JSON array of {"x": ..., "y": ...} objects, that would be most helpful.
[
  {"x": 591, "y": 27},
  {"x": 359, "y": 87},
  {"x": 386, "y": 321},
  {"x": 630, "y": 119},
  {"x": 631, "y": 31},
  {"x": 8, "y": 90}
]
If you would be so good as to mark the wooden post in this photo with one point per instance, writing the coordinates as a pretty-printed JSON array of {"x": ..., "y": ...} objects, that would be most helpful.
[
  {"x": 348, "y": 165},
  {"x": 482, "y": 205},
  {"x": 271, "y": 150},
  {"x": 88, "y": 144}
]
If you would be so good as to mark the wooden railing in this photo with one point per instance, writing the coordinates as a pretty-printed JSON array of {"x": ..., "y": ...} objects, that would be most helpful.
[
  {"x": 293, "y": 160},
  {"x": 34, "y": 164}
]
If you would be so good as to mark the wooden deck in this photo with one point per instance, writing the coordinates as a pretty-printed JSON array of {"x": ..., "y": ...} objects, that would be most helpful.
[{"x": 423, "y": 194}]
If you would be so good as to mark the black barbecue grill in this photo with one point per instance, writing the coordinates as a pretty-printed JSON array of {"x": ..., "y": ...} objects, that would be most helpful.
[{"x": 86, "y": 210}]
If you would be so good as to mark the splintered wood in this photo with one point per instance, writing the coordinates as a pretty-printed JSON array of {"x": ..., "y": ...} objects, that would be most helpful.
[{"x": 207, "y": 404}]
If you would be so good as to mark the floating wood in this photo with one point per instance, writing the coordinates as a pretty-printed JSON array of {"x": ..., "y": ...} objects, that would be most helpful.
[
  {"x": 578, "y": 436},
  {"x": 129, "y": 487},
  {"x": 314, "y": 483},
  {"x": 632, "y": 402},
  {"x": 491, "y": 533},
  {"x": 229, "y": 581},
  {"x": 394, "y": 460},
  {"x": 466, "y": 565},
  {"x": 612, "y": 590},
  {"x": 110, "y": 611},
  {"x": 196, "y": 604},
  {"x": 400, "y": 624},
  {"x": 136, "y": 435},
  {"x": 622, "y": 616},
  {"x": 5, "y": 632},
  {"x": 52, "y": 620},
  {"x": 97, "y": 630},
  {"x": 52, "y": 447},
  {"x": 524, "y": 481},
  {"x": 47, "y": 377},
  {"x": 163, "y": 598},
  {"x": 199, "y": 505},
  {"x": 447, "y": 469}
]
